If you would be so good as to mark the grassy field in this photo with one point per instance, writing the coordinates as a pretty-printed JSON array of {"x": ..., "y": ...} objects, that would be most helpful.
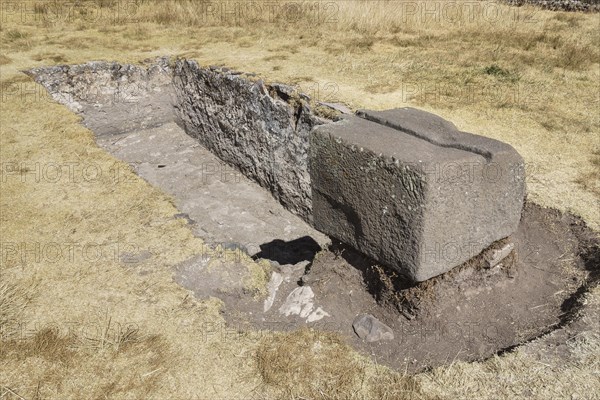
[{"x": 91, "y": 328}]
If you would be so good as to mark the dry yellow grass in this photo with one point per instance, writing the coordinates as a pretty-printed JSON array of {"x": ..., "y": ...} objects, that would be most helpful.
[
  {"x": 319, "y": 365},
  {"x": 96, "y": 329}
]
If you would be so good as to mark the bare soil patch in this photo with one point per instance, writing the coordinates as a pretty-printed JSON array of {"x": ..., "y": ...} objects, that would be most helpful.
[{"x": 470, "y": 313}]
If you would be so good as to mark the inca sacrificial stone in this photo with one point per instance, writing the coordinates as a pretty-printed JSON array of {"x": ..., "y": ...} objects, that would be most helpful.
[
  {"x": 263, "y": 130},
  {"x": 410, "y": 190}
]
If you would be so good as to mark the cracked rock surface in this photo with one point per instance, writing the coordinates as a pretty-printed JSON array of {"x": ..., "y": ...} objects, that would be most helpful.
[{"x": 262, "y": 130}]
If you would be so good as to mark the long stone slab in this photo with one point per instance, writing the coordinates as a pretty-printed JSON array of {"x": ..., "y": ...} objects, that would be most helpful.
[{"x": 410, "y": 190}]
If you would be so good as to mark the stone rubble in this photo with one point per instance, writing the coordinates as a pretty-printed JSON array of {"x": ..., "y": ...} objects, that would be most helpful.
[{"x": 369, "y": 328}]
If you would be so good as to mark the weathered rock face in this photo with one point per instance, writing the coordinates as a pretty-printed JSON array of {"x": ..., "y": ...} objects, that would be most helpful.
[
  {"x": 112, "y": 97},
  {"x": 410, "y": 190},
  {"x": 262, "y": 130}
]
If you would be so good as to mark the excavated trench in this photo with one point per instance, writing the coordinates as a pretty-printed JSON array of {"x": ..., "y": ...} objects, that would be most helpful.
[{"x": 232, "y": 150}]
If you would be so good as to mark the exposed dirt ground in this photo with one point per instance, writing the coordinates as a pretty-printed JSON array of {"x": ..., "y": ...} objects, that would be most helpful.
[{"x": 467, "y": 314}]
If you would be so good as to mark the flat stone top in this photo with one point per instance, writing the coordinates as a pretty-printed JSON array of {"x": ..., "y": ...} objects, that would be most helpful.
[
  {"x": 390, "y": 142},
  {"x": 435, "y": 130}
]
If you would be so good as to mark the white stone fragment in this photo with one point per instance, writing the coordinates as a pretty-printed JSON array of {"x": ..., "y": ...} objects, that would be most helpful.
[
  {"x": 299, "y": 302},
  {"x": 272, "y": 286},
  {"x": 316, "y": 315}
]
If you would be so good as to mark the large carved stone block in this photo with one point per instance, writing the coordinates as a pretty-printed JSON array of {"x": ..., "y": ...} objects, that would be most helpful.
[{"x": 410, "y": 190}]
